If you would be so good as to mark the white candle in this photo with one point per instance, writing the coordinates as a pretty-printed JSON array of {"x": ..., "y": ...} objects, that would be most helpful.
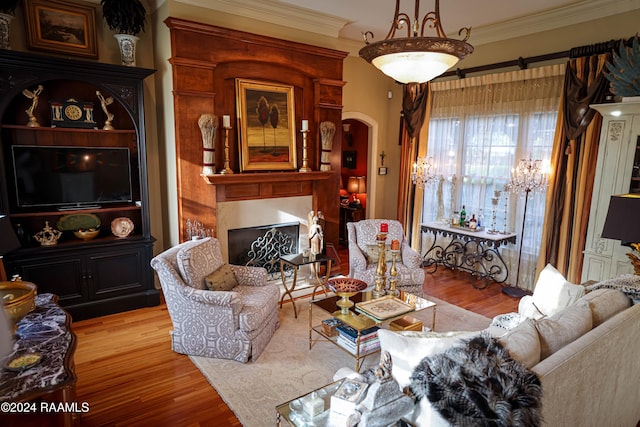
[
  {"x": 305, "y": 125},
  {"x": 226, "y": 121}
]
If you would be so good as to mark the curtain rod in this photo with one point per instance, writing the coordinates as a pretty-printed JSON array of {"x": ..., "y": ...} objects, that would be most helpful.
[{"x": 522, "y": 63}]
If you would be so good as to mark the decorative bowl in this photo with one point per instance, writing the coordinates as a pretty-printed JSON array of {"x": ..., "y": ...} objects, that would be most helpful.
[
  {"x": 86, "y": 234},
  {"x": 345, "y": 287},
  {"x": 341, "y": 285},
  {"x": 19, "y": 299}
]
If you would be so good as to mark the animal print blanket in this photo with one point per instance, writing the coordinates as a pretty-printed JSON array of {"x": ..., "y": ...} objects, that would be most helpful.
[{"x": 477, "y": 383}]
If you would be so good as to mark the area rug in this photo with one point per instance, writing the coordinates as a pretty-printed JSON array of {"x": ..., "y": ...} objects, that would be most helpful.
[{"x": 288, "y": 369}]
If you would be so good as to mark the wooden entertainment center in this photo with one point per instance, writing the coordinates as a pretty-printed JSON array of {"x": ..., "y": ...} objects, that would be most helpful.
[{"x": 91, "y": 277}]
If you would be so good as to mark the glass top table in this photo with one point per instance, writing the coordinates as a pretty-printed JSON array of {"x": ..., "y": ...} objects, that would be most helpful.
[
  {"x": 361, "y": 321},
  {"x": 294, "y": 262}
]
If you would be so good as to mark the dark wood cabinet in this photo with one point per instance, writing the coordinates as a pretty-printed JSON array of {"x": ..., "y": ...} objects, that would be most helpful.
[
  {"x": 349, "y": 213},
  {"x": 91, "y": 277}
]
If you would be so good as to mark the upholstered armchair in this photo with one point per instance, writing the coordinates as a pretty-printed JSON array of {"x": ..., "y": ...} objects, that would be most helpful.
[
  {"x": 228, "y": 324},
  {"x": 362, "y": 241}
]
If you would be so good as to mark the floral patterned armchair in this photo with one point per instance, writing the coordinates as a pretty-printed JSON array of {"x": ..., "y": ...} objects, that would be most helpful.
[
  {"x": 362, "y": 240},
  {"x": 236, "y": 324}
]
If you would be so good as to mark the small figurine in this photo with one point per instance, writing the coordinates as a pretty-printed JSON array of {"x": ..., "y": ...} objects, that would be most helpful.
[
  {"x": 104, "y": 102},
  {"x": 33, "y": 96},
  {"x": 48, "y": 236},
  {"x": 316, "y": 236}
]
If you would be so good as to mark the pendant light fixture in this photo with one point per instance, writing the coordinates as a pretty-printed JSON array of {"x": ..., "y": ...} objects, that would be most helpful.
[{"x": 416, "y": 58}]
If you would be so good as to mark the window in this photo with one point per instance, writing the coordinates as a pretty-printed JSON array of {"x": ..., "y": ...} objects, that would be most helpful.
[{"x": 478, "y": 131}]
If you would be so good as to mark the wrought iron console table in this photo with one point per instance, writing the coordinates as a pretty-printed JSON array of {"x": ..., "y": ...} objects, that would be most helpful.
[{"x": 473, "y": 251}]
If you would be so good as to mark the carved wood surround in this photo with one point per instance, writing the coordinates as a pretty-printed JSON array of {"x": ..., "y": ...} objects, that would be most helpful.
[{"x": 205, "y": 61}]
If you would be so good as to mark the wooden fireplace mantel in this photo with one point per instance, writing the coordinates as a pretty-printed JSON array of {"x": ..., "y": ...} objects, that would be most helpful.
[{"x": 250, "y": 186}]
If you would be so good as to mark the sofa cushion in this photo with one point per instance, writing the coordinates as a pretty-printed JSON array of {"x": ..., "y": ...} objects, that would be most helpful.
[
  {"x": 196, "y": 260},
  {"x": 408, "y": 348},
  {"x": 605, "y": 303},
  {"x": 223, "y": 279},
  {"x": 564, "y": 327},
  {"x": 627, "y": 283},
  {"x": 523, "y": 343},
  {"x": 553, "y": 292}
]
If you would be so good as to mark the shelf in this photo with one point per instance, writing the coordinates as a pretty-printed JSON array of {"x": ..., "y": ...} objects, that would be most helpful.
[
  {"x": 253, "y": 178},
  {"x": 75, "y": 211},
  {"x": 61, "y": 129}
]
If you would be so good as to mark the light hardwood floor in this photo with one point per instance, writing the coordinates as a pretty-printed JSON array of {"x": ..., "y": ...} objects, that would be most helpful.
[{"x": 130, "y": 377}]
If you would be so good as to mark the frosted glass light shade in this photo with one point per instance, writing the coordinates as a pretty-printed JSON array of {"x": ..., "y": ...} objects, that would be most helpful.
[{"x": 414, "y": 67}]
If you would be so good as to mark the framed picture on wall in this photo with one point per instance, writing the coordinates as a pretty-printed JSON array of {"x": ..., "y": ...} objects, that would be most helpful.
[
  {"x": 349, "y": 159},
  {"x": 266, "y": 116},
  {"x": 67, "y": 27}
]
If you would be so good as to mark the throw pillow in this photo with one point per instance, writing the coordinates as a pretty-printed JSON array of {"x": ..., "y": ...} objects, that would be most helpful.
[
  {"x": 408, "y": 348},
  {"x": 522, "y": 343},
  {"x": 553, "y": 292},
  {"x": 566, "y": 326},
  {"x": 373, "y": 253},
  {"x": 605, "y": 303},
  {"x": 223, "y": 279},
  {"x": 196, "y": 259}
]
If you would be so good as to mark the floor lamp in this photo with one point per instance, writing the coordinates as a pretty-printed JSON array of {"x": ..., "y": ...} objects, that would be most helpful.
[
  {"x": 8, "y": 242},
  {"x": 527, "y": 177}
]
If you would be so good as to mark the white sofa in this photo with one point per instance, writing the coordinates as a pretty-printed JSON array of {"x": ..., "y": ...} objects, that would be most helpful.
[{"x": 587, "y": 380}]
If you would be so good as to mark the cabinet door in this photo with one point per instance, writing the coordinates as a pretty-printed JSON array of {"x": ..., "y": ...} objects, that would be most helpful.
[
  {"x": 114, "y": 273},
  {"x": 63, "y": 276}
]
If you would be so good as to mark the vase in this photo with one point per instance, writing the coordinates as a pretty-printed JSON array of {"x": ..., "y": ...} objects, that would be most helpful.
[
  {"x": 5, "y": 26},
  {"x": 127, "y": 45},
  {"x": 327, "y": 130}
]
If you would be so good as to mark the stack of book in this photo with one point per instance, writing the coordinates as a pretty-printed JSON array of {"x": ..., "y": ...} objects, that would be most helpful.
[{"x": 348, "y": 339}]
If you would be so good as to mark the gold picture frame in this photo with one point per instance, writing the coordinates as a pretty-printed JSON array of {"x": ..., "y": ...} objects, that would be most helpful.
[
  {"x": 67, "y": 27},
  {"x": 266, "y": 122}
]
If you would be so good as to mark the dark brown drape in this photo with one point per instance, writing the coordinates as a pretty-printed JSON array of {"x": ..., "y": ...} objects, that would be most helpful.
[
  {"x": 573, "y": 162},
  {"x": 414, "y": 102}
]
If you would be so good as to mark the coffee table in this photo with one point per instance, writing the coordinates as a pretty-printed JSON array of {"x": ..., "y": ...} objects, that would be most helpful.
[
  {"x": 295, "y": 261},
  {"x": 361, "y": 321},
  {"x": 285, "y": 416}
]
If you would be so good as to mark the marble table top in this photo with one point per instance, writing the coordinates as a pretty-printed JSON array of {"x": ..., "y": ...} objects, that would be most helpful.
[{"x": 45, "y": 330}]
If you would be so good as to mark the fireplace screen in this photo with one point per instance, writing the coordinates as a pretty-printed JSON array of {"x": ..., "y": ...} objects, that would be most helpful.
[{"x": 262, "y": 246}]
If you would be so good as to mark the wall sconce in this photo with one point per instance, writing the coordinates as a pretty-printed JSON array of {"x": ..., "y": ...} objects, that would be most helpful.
[{"x": 346, "y": 127}]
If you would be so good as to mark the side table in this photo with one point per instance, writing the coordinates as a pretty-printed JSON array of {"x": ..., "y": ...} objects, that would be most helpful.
[
  {"x": 295, "y": 261},
  {"x": 46, "y": 330}
]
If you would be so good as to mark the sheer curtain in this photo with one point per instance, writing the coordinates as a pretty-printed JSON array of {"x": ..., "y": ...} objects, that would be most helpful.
[{"x": 479, "y": 128}]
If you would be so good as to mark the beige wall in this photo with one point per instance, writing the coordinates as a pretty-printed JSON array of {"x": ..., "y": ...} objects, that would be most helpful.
[{"x": 365, "y": 94}]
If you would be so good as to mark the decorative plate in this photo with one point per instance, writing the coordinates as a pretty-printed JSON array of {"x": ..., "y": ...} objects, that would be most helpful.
[
  {"x": 121, "y": 227},
  {"x": 383, "y": 308},
  {"x": 75, "y": 222},
  {"x": 23, "y": 362}
]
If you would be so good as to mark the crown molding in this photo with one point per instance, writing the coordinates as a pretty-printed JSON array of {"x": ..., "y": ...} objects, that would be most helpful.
[
  {"x": 277, "y": 13},
  {"x": 586, "y": 10}
]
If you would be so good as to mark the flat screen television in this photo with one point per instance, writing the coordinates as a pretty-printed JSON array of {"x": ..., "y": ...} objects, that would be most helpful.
[{"x": 71, "y": 177}]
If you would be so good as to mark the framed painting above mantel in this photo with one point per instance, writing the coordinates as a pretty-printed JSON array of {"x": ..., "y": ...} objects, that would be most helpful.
[{"x": 266, "y": 121}]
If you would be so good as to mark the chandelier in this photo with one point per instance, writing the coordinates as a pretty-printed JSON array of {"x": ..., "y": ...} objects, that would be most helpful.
[
  {"x": 416, "y": 58},
  {"x": 527, "y": 176},
  {"x": 424, "y": 172}
]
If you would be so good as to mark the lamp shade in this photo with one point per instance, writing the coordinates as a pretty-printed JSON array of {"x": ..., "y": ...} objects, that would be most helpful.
[
  {"x": 362, "y": 187},
  {"x": 622, "y": 222},
  {"x": 352, "y": 184},
  {"x": 8, "y": 240}
]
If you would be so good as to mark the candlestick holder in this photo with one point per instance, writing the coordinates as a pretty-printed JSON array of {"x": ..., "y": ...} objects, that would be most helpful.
[
  {"x": 226, "y": 169},
  {"x": 305, "y": 161},
  {"x": 381, "y": 270},
  {"x": 494, "y": 207},
  {"x": 393, "y": 273},
  {"x": 506, "y": 213}
]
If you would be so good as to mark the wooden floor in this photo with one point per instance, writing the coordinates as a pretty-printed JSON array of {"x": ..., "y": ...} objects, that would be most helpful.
[{"x": 130, "y": 377}]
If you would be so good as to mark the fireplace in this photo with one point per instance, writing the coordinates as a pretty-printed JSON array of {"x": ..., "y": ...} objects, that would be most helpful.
[{"x": 264, "y": 213}]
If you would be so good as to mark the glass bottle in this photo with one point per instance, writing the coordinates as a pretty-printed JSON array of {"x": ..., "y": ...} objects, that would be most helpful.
[{"x": 463, "y": 216}]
